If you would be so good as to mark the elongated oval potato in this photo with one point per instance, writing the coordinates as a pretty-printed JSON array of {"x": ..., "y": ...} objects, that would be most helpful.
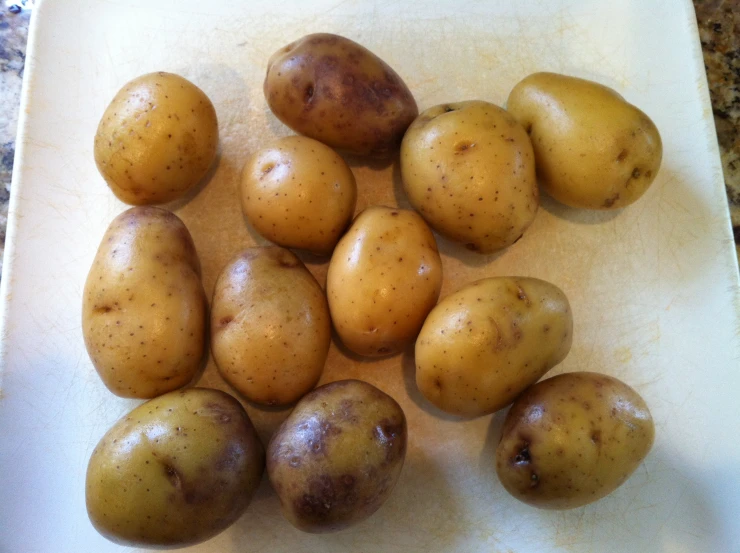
[
  {"x": 270, "y": 326},
  {"x": 157, "y": 139},
  {"x": 143, "y": 307},
  {"x": 468, "y": 169},
  {"x": 592, "y": 148},
  {"x": 482, "y": 346},
  {"x": 384, "y": 276},
  {"x": 572, "y": 439},
  {"x": 299, "y": 193},
  {"x": 332, "y": 89},
  {"x": 175, "y": 471},
  {"x": 336, "y": 458}
]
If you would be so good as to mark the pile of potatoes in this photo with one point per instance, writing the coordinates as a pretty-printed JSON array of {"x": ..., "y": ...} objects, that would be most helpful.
[{"x": 183, "y": 466}]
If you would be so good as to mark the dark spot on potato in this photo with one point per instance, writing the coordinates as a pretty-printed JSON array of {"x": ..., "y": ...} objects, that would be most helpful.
[
  {"x": 648, "y": 174},
  {"x": 596, "y": 436},
  {"x": 267, "y": 168},
  {"x": 523, "y": 456},
  {"x": 622, "y": 156},
  {"x": 173, "y": 476},
  {"x": 225, "y": 320},
  {"x": 609, "y": 202},
  {"x": 438, "y": 383},
  {"x": 287, "y": 259},
  {"x": 472, "y": 247},
  {"x": 308, "y": 94},
  {"x": 102, "y": 309},
  {"x": 636, "y": 173},
  {"x": 463, "y": 146},
  {"x": 528, "y": 128},
  {"x": 534, "y": 480}
]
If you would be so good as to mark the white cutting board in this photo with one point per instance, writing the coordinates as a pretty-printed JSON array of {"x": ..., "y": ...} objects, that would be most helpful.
[{"x": 654, "y": 288}]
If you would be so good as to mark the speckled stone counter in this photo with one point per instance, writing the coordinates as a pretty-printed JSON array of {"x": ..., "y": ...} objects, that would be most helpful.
[{"x": 719, "y": 28}]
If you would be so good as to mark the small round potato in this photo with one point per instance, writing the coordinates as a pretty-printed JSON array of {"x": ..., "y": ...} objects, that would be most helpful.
[
  {"x": 468, "y": 168},
  {"x": 337, "y": 457},
  {"x": 157, "y": 139},
  {"x": 593, "y": 149},
  {"x": 175, "y": 471},
  {"x": 270, "y": 326},
  {"x": 572, "y": 439},
  {"x": 143, "y": 307},
  {"x": 332, "y": 89},
  {"x": 482, "y": 346},
  {"x": 299, "y": 193},
  {"x": 383, "y": 278}
]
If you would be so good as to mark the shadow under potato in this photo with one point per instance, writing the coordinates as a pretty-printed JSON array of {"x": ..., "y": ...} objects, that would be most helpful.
[{"x": 575, "y": 214}]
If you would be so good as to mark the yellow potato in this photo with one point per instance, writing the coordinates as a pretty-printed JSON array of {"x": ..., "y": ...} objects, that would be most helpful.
[
  {"x": 143, "y": 307},
  {"x": 157, "y": 139},
  {"x": 336, "y": 458},
  {"x": 270, "y": 326},
  {"x": 482, "y": 346},
  {"x": 383, "y": 278},
  {"x": 468, "y": 169},
  {"x": 572, "y": 439},
  {"x": 175, "y": 471},
  {"x": 332, "y": 89},
  {"x": 299, "y": 193},
  {"x": 593, "y": 149}
]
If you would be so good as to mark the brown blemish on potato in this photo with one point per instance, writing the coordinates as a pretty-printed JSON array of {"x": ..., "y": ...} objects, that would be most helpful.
[
  {"x": 596, "y": 437},
  {"x": 622, "y": 156},
  {"x": 609, "y": 202},
  {"x": 102, "y": 309},
  {"x": 636, "y": 173},
  {"x": 225, "y": 320},
  {"x": 523, "y": 296},
  {"x": 463, "y": 146},
  {"x": 173, "y": 476}
]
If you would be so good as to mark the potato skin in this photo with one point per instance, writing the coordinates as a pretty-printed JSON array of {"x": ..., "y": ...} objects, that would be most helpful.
[
  {"x": 481, "y": 346},
  {"x": 384, "y": 276},
  {"x": 157, "y": 139},
  {"x": 332, "y": 89},
  {"x": 592, "y": 148},
  {"x": 143, "y": 307},
  {"x": 336, "y": 458},
  {"x": 468, "y": 169},
  {"x": 299, "y": 193},
  {"x": 572, "y": 439},
  {"x": 175, "y": 471},
  {"x": 270, "y": 326}
]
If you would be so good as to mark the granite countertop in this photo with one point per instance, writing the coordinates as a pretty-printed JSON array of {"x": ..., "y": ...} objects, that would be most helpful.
[{"x": 719, "y": 29}]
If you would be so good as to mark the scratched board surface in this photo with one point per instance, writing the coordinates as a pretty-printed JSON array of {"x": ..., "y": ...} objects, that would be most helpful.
[{"x": 653, "y": 288}]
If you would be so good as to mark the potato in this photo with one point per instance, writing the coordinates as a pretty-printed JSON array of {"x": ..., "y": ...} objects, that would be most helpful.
[
  {"x": 336, "y": 458},
  {"x": 482, "y": 346},
  {"x": 572, "y": 439},
  {"x": 592, "y": 148},
  {"x": 143, "y": 306},
  {"x": 157, "y": 139},
  {"x": 468, "y": 168},
  {"x": 332, "y": 89},
  {"x": 383, "y": 278},
  {"x": 270, "y": 326},
  {"x": 175, "y": 471},
  {"x": 299, "y": 193}
]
